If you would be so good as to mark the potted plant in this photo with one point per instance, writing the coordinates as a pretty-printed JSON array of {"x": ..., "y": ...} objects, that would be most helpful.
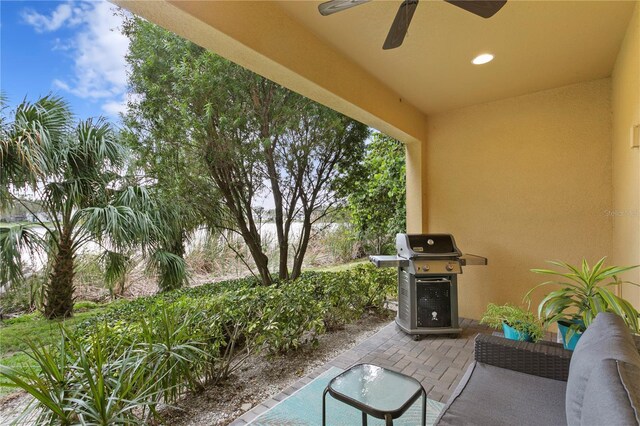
[
  {"x": 585, "y": 292},
  {"x": 517, "y": 323}
]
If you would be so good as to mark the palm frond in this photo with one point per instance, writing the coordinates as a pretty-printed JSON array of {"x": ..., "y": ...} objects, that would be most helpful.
[
  {"x": 14, "y": 241},
  {"x": 94, "y": 148},
  {"x": 29, "y": 148},
  {"x": 170, "y": 268},
  {"x": 136, "y": 197},
  {"x": 116, "y": 266},
  {"x": 121, "y": 224}
]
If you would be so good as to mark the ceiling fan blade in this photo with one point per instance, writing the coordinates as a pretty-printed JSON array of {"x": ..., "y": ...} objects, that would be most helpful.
[
  {"x": 484, "y": 8},
  {"x": 400, "y": 24},
  {"x": 333, "y": 6}
]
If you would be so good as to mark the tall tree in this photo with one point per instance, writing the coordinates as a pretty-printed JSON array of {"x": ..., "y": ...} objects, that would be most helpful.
[
  {"x": 241, "y": 137},
  {"x": 376, "y": 193},
  {"x": 74, "y": 173}
]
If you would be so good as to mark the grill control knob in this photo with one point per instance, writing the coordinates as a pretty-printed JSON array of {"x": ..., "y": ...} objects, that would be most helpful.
[
  {"x": 449, "y": 266},
  {"x": 425, "y": 268}
]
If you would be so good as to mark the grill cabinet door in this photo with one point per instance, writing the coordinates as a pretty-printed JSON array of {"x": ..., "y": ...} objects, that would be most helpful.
[{"x": 433, "y": 299}]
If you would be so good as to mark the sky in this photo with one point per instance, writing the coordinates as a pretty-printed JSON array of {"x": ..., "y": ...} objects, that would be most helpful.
[
  {"x": 69, "y": 48},
  {"x": 73, "y": 49}
]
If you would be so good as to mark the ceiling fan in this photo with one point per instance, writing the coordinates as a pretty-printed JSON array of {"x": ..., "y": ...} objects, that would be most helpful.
[{"x": 483, "y": 8}]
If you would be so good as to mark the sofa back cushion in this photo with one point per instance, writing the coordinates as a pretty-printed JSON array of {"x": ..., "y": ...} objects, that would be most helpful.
[
  {"x": 620, "y": 403},
  {"x": 606, "y": 338}
]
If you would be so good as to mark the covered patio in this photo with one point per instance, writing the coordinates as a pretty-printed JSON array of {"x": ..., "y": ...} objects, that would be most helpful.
[
  {"x": 438, "y": 362},
  {"x": 532, "y": 157},
  {"x": 524, "y": 159}
]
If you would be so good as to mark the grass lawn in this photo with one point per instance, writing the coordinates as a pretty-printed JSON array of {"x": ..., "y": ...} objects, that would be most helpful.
[
  {"x": 12, "y": 224},
  {"x": 341, "y": 267},
  {"x": 34, "y": 327}
]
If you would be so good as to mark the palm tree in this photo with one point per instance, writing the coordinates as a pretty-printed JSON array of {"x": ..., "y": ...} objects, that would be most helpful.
[{"x": 75, "y": 174}]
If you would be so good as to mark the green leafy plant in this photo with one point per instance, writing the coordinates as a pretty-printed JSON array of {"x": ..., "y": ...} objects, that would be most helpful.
[
  {"x": 172, "y": 348},
  {"x": 110, "y": 390},
  {"x": 46, "y": 383},
  {"x": 293, "y": 316},
  {"x": 116, "y": 366},
  {"x": 585, "y": 292},
  {"x": 375, "y": 190},
  {"x": 78, "y": 383},
  {"x": 236, "y": 326},
  {"x": 377, "y": 284},
  {"x": 521, "y": 320},
  {"x": 347, "y": 294}
]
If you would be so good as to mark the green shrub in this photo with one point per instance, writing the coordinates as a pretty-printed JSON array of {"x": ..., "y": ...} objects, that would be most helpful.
[
  {"x": 85, "y": 306},
  {"x": 231, "y": 321},
  {"x": 173, "y": 348},
  {"x": 136, "y": 354},
  {"x": 377, "y": 284},
  {"x": 24, "y": 296},
  {"x": 342, "y": 301},
  {"x": 294, "y": 316},
  {"x": 346, "y": 294}
]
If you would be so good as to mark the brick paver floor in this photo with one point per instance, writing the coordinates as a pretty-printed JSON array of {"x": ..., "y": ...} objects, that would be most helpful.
[{"x": 438, "y": 362}]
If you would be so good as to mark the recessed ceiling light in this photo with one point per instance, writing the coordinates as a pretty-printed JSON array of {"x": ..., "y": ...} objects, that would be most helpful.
[{"x": 482, "y": 59}]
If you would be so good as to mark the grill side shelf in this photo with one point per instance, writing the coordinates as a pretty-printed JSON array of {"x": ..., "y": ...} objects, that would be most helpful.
[
  {"x": 472, "y": 259},
  {"x": 389, "y": 261}
]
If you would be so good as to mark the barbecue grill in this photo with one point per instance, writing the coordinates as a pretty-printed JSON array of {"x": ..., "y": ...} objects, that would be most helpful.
[{"x": 428, "y": 267}]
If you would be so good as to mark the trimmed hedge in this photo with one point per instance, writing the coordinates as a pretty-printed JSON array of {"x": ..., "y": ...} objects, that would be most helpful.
[{"x": 333, "y": 298}]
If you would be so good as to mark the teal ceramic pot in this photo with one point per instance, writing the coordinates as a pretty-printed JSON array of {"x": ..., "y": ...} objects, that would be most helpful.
[
  {"x": 513, "y": 334},
  {"x": 563, "y": 327}
]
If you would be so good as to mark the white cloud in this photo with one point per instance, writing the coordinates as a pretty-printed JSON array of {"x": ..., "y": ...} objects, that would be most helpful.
[
  {"x": 118, "y": 106},
  {"x": 99, "y": 56},
  {"x": 97, "y": 49},
  {"x": 61, "y": 85},
  {"x": 61, "y": 45},
  {"x": 115, "y": 107},
  {"x": 42, "y": 23}
]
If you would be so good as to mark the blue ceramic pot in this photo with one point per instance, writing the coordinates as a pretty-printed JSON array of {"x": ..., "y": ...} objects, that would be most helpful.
[
  {"x": 513, "y": 334},
  {"x": 563, "y": 327}
]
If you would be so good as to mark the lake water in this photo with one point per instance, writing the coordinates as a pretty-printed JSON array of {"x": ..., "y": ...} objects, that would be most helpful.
[{"x": 36, "y": 261}]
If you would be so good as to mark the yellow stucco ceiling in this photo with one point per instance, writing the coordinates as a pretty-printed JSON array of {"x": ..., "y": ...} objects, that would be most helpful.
[
  {"x": 338, "y": 60},
  {"x": 537, "y": 44}
]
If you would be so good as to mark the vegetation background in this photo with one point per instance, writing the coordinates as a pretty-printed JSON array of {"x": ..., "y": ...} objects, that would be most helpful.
[{"x": 119, "y": 265}]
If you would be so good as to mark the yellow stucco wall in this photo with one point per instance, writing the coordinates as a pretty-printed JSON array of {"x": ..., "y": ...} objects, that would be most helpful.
[
  {"x": 625, "y": 102},
  {"x": 520, "y": 181},
  {"x": 417, "y": 214}
]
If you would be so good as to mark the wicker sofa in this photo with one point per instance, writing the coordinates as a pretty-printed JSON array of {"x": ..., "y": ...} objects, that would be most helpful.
[{"x": 520, "y": 383}]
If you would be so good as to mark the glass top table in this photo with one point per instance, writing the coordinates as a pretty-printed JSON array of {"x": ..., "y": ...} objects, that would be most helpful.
[{"x": 375, "y": 391}]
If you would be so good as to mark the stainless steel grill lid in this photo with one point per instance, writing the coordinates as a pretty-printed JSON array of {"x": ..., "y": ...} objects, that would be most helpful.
[{"x": 411, "y": 246}]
